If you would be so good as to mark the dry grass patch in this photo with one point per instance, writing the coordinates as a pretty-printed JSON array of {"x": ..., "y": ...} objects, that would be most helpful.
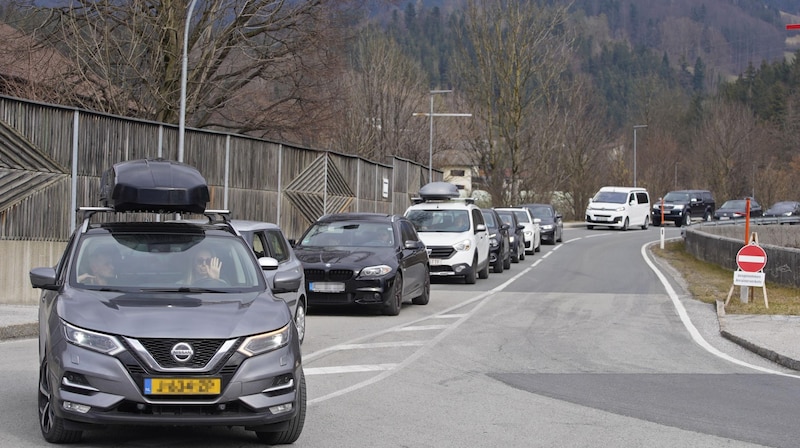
[{"x": 708, "y": 282}]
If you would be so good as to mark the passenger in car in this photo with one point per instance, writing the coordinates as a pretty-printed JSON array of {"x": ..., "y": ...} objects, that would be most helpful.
[
  {"x": 205, "y": 267},
  {"x": 101, "y": 269}
]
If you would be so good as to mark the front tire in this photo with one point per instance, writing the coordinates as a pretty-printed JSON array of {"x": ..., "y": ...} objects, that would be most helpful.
[
  {"x": 497, "y": 267},
  {"x": 300, "y": 320},
  {"x": 396, "y": 301},
  {"x": 625, "y": 225},
  {"x": 469, "y": 277},
  {"x": 292, "y": 433},
  {"x": 483, "y": 274},
  {"x": 425, "y": 297},
  {"x": 51, "y": 425},
  {"x": 646, "y": 223},
  {"x": 507, "y": 261}
]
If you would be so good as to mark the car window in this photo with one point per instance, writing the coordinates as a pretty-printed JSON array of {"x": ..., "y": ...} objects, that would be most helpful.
[
  {"x": 164, "y": 260},
  {"x": 675, "y": 196},
  {"x": 407, "y": 232},
  {"x": 438, "y": 220},
  {"x": 522, "y": 217},
  {"x": 259, "y": 245},
  {"x": 349, "y": 234},
  {"x": 490, "y": 221},
  {"x": 611, "y": 197},
  {"x": 279, "y": 250},
  {"x": 541, "y": 212},
  {"x": 507, "y": 218},
  {"x": 642, "y": 198}
]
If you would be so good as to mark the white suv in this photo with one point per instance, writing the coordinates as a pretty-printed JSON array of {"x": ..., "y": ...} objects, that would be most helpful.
[{"x": 453, "y": 231}]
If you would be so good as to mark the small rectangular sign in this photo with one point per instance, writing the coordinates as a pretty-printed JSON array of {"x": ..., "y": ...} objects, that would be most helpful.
[{"x": 742, "y": 278}]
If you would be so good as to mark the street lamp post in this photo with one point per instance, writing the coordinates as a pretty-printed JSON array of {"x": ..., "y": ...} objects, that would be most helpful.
[
  {"x": 431, "y": 115},
  {"x": 635, "y": 127},
  {"x": 184, "y": 69}
]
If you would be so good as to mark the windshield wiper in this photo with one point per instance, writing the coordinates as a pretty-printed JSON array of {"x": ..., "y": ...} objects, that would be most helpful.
[{"x": 183, "y": 289}]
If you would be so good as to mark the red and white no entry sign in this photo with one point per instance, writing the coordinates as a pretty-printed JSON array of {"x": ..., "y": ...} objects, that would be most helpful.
[{"x": 751, "y": 258}]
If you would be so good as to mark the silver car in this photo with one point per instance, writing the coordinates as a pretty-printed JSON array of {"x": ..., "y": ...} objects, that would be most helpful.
[{"x": 267, "y": 240}]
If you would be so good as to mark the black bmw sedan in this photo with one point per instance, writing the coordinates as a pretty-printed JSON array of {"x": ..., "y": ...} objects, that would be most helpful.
[{"x": 364, "y": 259}]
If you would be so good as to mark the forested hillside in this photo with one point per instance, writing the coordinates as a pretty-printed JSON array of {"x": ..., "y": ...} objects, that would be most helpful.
[{"x": 553, "y": 88}]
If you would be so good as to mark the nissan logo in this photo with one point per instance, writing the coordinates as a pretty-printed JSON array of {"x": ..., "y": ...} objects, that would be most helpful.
[{"x": 182, "y": 352}]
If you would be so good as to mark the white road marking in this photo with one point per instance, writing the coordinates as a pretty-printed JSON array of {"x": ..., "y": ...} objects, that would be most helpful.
[
  {"x": 381, "y": 345},
  {"x": 422, "y": 328},
  {"x": 687, "y": 322}
]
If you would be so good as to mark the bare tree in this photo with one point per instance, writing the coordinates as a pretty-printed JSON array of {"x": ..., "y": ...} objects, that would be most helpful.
[
  {"x": 383, "y": 89},
  {"x": 513, "y": 57},
  {"x": 251, "y": 63}
]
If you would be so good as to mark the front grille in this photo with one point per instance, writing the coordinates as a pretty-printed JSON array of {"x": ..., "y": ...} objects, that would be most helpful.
[
  {"x": 441, "y": 251},
  {"x": 204, "y": 350},
  {"x": 335, "y": 275}
]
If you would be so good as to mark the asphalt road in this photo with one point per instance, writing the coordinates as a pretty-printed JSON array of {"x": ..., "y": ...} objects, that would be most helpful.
[{"x": 578, "y": 345}]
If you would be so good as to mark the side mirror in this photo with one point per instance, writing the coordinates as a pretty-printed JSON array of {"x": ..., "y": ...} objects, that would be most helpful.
[
  {"x": 413, "y": 245},
  {"x": 480, "y": 228},
  {"x": 288, "y": 281},
  {"x": 44, "y": 278},
  {"x": 504, "y": 227},
  {"x": 536, "y": 220},
  {"x": 520, "y": 227},
  {"x": 268, "y": 263}
]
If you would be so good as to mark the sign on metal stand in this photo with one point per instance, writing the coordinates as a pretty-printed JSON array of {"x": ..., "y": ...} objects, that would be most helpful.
[{"x": 751, "y": 261}]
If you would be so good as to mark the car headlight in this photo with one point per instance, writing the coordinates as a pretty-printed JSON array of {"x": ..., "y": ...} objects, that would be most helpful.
[
  {"x": 511, "y": 238},
  {"x": 374, "y": 271},
  {"x": 621, "y": 208},
  {"x": 265, "y": 342},
  {"x": 92, "y": 340},
  {"x": 547, "y": 227},
  {"x": 462, "y": 246},
  {"x": 494, "y": 242},
  {"x": 528, "y": 233}
]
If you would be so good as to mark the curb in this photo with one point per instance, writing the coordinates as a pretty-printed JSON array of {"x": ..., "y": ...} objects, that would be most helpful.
[
  {"x": 757, "y": 349},
  {"x": 19, "y": 331}
]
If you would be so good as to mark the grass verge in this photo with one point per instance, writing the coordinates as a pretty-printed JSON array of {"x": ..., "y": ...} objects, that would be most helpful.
[{"x": 708, "y": 282}]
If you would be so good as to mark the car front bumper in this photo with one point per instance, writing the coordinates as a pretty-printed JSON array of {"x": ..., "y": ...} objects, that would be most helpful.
[{"x": 109, "y": 390}]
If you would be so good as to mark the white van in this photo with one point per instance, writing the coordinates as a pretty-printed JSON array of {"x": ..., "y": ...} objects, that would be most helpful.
[{"x": 619, "y": 207}]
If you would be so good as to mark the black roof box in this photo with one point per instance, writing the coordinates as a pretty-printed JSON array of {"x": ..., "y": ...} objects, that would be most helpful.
[
  {"x": 154, "y": 185},
  {"x": 438, "y": 191}
]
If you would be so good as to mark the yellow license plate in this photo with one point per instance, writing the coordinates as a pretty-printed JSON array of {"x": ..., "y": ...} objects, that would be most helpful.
[{"x": 182, "y": 386}]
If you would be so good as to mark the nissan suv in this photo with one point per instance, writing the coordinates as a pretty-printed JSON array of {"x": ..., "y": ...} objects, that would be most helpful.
[
  {"x": 681, "y": 206},
  {"x": 148, "y": 322}
]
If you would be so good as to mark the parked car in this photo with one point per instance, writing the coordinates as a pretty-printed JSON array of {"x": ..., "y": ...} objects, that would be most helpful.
[
  {"x": 150, "y": 323},
  {"x": 499, "y": 243},
  {"x": 516, "y": 234},
  {"x": 368, "y": 259},
  {"x": 681, "y": 206},
  {"x": 267, "y": 240},
  {"x": 453, "y": 230},
  {"x": 783, "y": 209},
  {"x": 736, "y": 208},
  {"x": 532, "y": 233},
  {"x": 619, "y": 207},
  {"x": 551, "y": 222}
]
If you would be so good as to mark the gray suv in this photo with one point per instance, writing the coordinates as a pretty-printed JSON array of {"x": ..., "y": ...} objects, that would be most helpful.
[
  {"x": 681, "y": 206},
  {"x": 144, "y": 322}
]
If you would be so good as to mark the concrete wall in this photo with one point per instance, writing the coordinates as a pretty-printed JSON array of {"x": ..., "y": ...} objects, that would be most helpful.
[
  {"x": 783, "y": 264},
  {"x": 20, "y": 257}
]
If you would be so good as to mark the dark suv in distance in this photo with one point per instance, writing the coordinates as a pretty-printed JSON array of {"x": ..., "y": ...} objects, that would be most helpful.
[
  {"x": 681, "y": 206},
  {"x": 499, "y": 240},
  {"x": 366, "y": 259},
  {"x": 145, "y": 323}
]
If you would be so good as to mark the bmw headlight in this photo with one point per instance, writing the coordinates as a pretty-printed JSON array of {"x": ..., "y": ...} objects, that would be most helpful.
[
  {"x": 529, "y": 234},
  {"x": 462, "y": 246},
  {"x": 374, "y": 271},
  {"x": 92, "y": 340},
  {"x": 494, "y": 242},
  {"x": 265, "y": 342}
]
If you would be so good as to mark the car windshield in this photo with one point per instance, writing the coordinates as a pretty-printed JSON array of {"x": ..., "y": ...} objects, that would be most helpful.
[
  {"x": 736, "y": 204},
  {"x": 356, "y": 234},
  {"x": 611, "y": 197},
  {"x": 522, "y": 216},
  {"x": 674, "y": 196},
  {"x": 506, "y": 217},
  {"x": 783, "y": 207},
  {"x": 438, "y": 220},
  {"x": 540, "y": 211},
  {"x": 490, "y": 221},
  {"x": 166, "y": 262}
]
